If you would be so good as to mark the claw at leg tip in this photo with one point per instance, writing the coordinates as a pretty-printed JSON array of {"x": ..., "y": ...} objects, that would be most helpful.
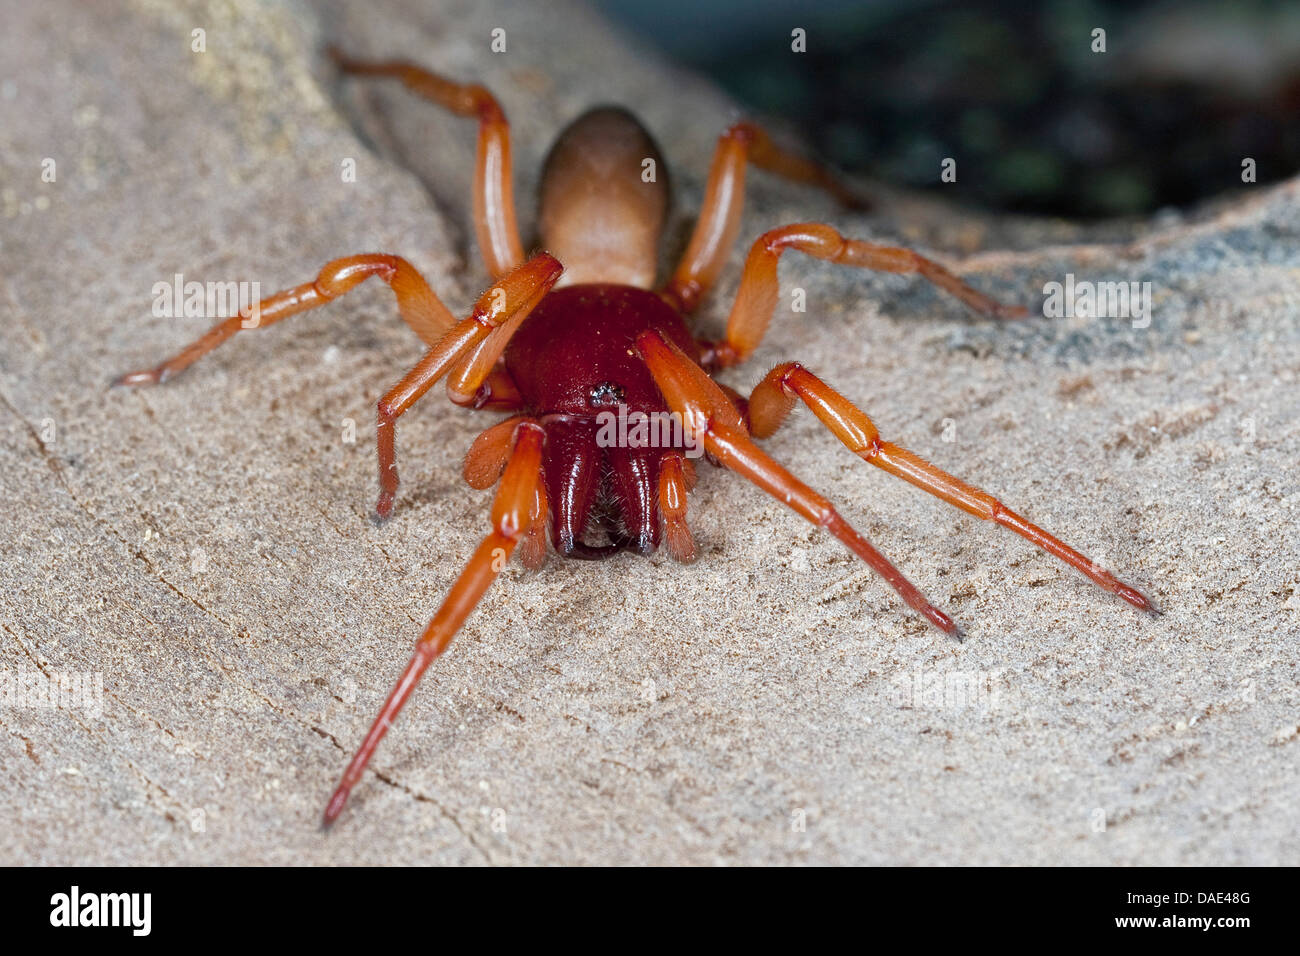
[
  {"x": 334, "y": 808},
  {"x": 1139, "y": 600},
  {"x": 942, "y": 621},
  {"x": 135, "y": 378}
]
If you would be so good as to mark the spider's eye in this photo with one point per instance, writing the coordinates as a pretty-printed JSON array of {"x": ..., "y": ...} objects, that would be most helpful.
[{"x": 606, "y": 393}]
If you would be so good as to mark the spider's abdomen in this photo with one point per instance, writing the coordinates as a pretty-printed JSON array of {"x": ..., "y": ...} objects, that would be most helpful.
[
  {"x": 576, "y": 353},
  {"x": 575, "y": 363}
]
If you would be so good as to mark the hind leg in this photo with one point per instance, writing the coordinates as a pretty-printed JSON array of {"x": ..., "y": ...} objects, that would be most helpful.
[{"x": 494, "y": 198}]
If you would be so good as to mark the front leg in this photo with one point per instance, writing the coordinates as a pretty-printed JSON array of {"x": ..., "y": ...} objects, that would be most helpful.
[
  {"x": 515, "y": 511},
  {"x": 710, "y": 415}
]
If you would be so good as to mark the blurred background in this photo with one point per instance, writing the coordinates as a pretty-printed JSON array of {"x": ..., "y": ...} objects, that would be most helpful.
[{"x": 1037, "y": 121}]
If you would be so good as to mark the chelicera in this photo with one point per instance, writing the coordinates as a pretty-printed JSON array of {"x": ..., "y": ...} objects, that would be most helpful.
[{"x": 557, "y": 346}]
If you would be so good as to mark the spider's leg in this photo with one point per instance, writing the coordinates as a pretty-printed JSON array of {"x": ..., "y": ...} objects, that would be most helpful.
[
  {"x": 673, "y": 483},
  {"x": 480, "y": 380},
  {"x": 489, "y": 453},
  {"x": 484, "y": 464},
  {"x": 775, "y": 395},
  {"x": 724, "y": 197},
  {"x": 500, "y": 311},
  {"x": 494, "y": 199},
  {"x": 709, "y": 414},
  {"x": 532, "y": 546},
  {"x": 756, "y": 298},
  {"x": 512, "y": 516},
  {"x": 496, "y": 392},
  {"x": 421, "y": 309}
]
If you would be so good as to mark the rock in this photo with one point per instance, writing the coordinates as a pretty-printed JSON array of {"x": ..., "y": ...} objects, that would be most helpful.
[{"x": 205, "y": 549}]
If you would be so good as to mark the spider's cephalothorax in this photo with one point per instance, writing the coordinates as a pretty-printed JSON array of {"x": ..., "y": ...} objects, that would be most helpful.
[{"x": 563, "y": 347}]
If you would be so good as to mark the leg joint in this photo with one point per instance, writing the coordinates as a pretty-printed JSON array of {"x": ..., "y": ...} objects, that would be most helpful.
[
  {"x": 486, "y": 105},
  {"x": 784, "y": 373},
  {"x": 743, "y": 132}
]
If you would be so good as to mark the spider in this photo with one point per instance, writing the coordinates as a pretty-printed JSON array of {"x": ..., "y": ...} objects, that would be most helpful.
[{"x": 562, "y": 346}]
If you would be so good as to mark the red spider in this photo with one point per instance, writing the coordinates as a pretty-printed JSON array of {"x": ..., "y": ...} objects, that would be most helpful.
[{"x": 560, "y": 345}]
